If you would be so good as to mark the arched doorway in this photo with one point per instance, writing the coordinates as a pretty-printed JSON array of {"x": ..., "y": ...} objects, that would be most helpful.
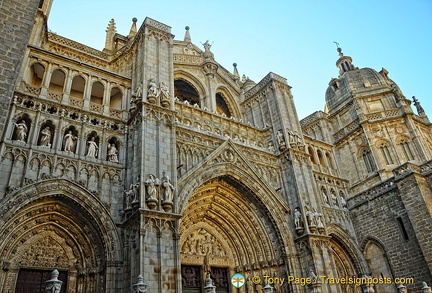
[
  {"x": 57, "y": 224},
  {"x": 226, "y": 229}
]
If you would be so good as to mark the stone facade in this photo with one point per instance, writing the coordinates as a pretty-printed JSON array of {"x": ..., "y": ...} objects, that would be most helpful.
[{"x": 150, "y": 159}]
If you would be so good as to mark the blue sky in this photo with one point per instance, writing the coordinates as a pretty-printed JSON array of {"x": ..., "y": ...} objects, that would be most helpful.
[{"x": 291, "y": 38}]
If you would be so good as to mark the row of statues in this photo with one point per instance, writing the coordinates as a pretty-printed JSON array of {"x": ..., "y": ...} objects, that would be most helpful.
[
  {"x": 153, "y": 188},
  {"x": 69, "y": 141},
  {"x": 314, "y": 220}
]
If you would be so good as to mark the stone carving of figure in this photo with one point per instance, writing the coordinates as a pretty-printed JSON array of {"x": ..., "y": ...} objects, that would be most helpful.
[
  {"x": 112, "y": 153},
  {"x": 92, "y": 148},
  {"x": 21, "y": 131},
  {"x": 281, "y": 140},
  {"x": 164, "y": 89},
  {"x": 343, "y": 201},
  {"x": 168, "y": 189},
  {"x": 69, "y": 144},
  {"x": 153, "y": 88},
  {"x": 298, "y": 222},
  {"x": 207, "y": 46},
  {"x": 152, "y": 182},
  {"x": 129, "y": 198},
  {"x": 135, "y": 192},
  {"x": 138, "y": 91},
  {"x": 334, "y": 198},
  {"x": 46, "y": 137}
]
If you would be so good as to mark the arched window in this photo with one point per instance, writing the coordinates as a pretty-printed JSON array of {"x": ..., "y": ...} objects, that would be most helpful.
[
  {"x": 37, "y": 71},
  {"x": 116, "y": 98},
  {"x": 221, "y": 106},
  {"x": 97, "y": 93},
  {"x": 378, "y": 264},
  {"x": 368, "y": 160},
  {"x": 329, "y": 161},
  {"x": 186, "y": 92},
  {"x": 78, "y": 86},
  {"x": 386, "y": 154},
  {"x": 57, "y": 81},
  {"x": 311, "y": 154},
  {"x": 406, "y": 150},
  {"x": 320, "y": 158}
]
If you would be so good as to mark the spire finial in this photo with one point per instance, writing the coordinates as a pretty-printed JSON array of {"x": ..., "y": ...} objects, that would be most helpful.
[
  {"x": 133, "y": 29},
  {"x": 338, "y": 49},
  {"x": 187, "y": 37},
  {"x": 236, "y": 73},
  {"x": 110, "y": 32}
]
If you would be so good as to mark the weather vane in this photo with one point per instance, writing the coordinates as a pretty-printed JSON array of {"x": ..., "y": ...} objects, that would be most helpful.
[{"x": 337, "y": 44}]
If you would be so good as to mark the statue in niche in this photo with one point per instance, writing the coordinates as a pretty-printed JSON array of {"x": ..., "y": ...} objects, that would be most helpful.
[
  {"x": 153, "y": 90},
  {"x": 165, "y": 95},
  {"x": 343, "y": 201},
  {"x": 69, "y": 142},
  {"x": 138, "y": 91},
  {"x": 21, "y": 131},
  {"x": 298, "y": 222},
  {"x": 112, "y": 153},
  {"x": 129, "y": 198},
  {"x": 168, "y": 188},
  {"x": 333, "y": 197},
  {"x": 135, "y": 192},
  {"x": 45, "y": 137},
  {"x": 152, "y": 182},
  {"x": 281, "y": 140},
  {"x": 271, "y": 146},
  {"x": 92, "y": 148}
]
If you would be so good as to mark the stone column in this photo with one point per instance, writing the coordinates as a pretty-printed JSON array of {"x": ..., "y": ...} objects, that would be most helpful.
[
  {"x": 140, "y": 287},
  {"x": 53, "y": 285}
]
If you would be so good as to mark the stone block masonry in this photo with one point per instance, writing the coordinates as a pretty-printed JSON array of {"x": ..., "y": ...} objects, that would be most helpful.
[{"x": 17, "y": 18}]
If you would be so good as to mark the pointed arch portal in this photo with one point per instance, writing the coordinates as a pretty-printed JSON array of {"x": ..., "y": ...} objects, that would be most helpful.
[{"x": 57, "y": 224}]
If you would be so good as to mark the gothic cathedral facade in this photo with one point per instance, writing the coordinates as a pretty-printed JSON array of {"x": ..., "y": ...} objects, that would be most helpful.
[{"x": 149, "y": 158}]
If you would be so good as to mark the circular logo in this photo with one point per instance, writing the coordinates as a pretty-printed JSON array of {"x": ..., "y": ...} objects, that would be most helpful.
[{"x": 238, "y": 280}]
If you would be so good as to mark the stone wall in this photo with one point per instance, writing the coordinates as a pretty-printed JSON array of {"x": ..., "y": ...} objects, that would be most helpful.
[
  {"x": 380, "y": 215},
  {"x": 17, "y": 19}
]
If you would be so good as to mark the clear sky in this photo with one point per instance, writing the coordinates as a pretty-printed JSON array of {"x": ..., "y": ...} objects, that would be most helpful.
[{"x": 291, "y": 38}]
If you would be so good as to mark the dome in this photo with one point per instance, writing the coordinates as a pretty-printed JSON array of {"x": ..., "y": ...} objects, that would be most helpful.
[{"x": 350, "y": 82}]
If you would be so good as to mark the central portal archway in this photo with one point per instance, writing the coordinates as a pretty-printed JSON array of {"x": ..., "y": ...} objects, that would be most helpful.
[{"x": 226, "y": 229}]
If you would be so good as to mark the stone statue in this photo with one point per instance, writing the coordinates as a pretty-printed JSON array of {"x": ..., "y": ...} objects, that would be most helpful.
[
  {"x": 21, "y": 131},
  {"x": 92, "y": 148},
  {"x": 333, "y": 197},
  {"x": 138, "y": 91},
  {"x": 281, "y": 140},
  {"x": 343, "y": 201},
  {"x": 112, "y": 153},
  {"x": 135, "y": 192},
  {"x": 129, "y": 198},
  {"x": 165, "y": 95},
  {"x": 69, "y": 142},
  {"x": 298, "y": 222},
  {"x": 207, "y": 46},
  {"x": 46, "y": 137},
  {"x": 153, "y": 88},
  {"x": 168, "y": 189},
  {"x": 152, "y": 182}
]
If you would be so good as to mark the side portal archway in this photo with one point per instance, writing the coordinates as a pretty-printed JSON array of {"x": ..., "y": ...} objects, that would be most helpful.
[{"x": 57, "y": 224}]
